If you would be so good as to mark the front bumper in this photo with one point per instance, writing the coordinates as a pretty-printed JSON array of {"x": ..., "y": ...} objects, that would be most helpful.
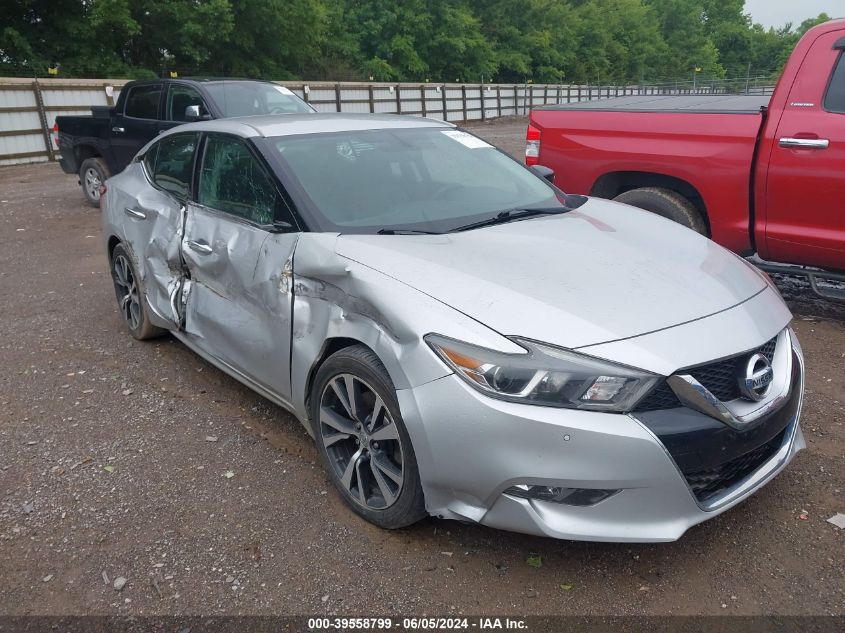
[{"x": 471, "y": 448}]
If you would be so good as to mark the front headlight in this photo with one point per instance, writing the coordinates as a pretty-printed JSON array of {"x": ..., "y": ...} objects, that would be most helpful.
[{"x": 545, "y": 375}]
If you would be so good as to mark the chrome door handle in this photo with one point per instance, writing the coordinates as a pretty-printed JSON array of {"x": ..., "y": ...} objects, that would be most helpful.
[
  {"x": 134, "y": 213},
  {"x": 805, "y": 143},
  {"x": 199, "y": 247},
  {"x": 119, "y": 130}
]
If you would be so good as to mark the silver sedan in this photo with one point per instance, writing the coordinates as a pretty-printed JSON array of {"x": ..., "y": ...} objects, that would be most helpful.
[{"x": 461, "y": 338}]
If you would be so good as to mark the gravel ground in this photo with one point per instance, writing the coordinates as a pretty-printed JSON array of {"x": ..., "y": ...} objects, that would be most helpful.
[{"x": 138, "y": 464}]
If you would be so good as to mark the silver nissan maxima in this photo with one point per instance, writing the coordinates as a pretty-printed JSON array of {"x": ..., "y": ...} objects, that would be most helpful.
[{"x": 461, "y": 338}]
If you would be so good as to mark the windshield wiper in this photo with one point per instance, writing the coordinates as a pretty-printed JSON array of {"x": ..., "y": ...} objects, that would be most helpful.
[
  {"x": 509, "y": 215},
  {"x": 405, "y": 232}
]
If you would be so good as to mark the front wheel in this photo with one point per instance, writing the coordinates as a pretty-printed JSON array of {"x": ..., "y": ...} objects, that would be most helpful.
[
  {"x": 92, "y": 173},
  {"x": 362, "y": 439}
]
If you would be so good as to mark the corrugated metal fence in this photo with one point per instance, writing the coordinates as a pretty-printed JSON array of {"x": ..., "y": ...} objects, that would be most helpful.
[{"x": 28, "y": 108}]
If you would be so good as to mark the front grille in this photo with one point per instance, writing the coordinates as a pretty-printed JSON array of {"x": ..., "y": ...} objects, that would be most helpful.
[
  {"x": 661, "y": 398},
  {"x": 718, "y": 378},
  {"x": 706, "y": 484}
]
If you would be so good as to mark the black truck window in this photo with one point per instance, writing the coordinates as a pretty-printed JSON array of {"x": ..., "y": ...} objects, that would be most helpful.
[
  {"x": 179, "y": 97},
  {"x": 834, "y": 100},
  {"x": 142, "y": 101}
]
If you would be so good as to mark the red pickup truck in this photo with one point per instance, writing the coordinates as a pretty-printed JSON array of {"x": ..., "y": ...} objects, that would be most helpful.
[{"x": 757, "y": 174}]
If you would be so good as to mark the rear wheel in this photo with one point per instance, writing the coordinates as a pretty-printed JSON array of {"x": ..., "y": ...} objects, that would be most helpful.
[
  {"x": 130, "y": 296},
  {"x": 92, "y": 173},
  {"x": 667, "y": 203},
  {"x": 363, "y": 441}
]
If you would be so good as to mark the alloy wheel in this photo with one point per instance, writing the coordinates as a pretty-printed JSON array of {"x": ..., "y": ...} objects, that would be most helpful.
[
  {"x": 92, "y": 183},
  {"x": 126, "y": 289},
  {"x": 362, "y": 442}
]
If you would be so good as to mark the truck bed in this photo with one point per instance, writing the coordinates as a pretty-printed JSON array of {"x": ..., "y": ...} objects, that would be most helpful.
[
  {"x": 705, "y": 141},
  {"x": 701, "y": 104}
]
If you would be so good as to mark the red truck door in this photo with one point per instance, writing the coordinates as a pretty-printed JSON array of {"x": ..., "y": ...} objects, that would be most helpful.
[{"x": 803, "y": 201}]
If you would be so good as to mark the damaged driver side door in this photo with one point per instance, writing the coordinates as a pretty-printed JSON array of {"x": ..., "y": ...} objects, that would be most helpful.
[
  {"x": 154, "y": 219},
  {"x": 238, "y": 245}
]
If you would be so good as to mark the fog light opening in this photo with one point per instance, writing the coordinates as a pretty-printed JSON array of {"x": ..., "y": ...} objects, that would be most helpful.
[{"x": 567, "y": 496}]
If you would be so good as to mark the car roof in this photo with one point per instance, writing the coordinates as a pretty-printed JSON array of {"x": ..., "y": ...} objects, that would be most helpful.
[
  {"x": 220, "y": 80},
  {"x": 201, "y": 80},
  {"x": 309, "y": 123}
]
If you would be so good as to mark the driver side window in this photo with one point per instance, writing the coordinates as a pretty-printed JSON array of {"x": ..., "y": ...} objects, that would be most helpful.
[
  {"x": 179, "y": 97},
  {"x": 233, "y": 181}
]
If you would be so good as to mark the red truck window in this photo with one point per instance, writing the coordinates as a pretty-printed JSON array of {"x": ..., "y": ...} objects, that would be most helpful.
[{"x": 834, "y": 99}]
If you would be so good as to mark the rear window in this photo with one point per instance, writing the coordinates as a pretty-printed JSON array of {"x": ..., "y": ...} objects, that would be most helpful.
[
  {"x": 173, "y": 164},
  {"x": 142, "y": 102},
  {"x": 834, "y": 100}
]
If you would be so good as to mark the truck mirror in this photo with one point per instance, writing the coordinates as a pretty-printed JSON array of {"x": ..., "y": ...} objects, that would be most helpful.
[{"x": 193, "y": 113}]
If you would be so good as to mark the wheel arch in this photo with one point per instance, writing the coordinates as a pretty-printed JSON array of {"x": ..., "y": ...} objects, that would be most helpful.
[
  {"x": 112, "y": 242},
  {"x": 330, "y": 346},
  {"x": 84, "y": 151},
  {"x": 616, "y": 183}
]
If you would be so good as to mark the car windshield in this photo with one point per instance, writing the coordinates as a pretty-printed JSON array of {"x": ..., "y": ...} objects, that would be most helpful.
[
  {"x": 409, "y": 179},
  {"x": 248, "y": 98}
]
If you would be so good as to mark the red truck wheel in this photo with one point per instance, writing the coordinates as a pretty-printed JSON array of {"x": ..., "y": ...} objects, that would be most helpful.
[{"x": 667, "y": 203}]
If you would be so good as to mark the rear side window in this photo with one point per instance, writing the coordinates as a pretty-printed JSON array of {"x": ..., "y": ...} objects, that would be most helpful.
[
  {"x": 233, "y": 181},
  {"x": 142, "y": 102},
  {"x": 174, "y": 163},
  {"x": 834, "y": 100}
]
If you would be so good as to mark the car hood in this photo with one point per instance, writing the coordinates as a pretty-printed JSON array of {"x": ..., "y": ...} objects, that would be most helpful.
[{"x": 601, "y": 273}]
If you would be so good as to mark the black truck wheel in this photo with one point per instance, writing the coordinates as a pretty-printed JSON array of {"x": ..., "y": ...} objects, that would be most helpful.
[{"x": 93, "y": 173}]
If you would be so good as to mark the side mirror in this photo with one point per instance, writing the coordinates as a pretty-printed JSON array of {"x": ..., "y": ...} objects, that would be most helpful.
[
  {"x": 194, "y": 113},
  {"x": 544, "y": 172}
]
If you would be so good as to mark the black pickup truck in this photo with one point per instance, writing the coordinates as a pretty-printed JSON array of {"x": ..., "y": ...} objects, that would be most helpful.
[{"x": 103, "y": 143}]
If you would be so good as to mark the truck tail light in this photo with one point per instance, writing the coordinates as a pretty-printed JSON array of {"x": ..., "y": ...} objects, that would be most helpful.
[
  {"x": 56, "y": 135},
  {"x": 532, "y": 146}
]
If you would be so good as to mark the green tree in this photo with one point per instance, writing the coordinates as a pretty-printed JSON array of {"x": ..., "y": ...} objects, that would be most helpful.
[
  {"x": 729, "y": 28},
  {"x": 683, "y": 28},
  {"x": 387, "y": 35},
  {"x": 270, "y": 39},
  {"x": 618, "y": 41},
  {"x": 584, "y": 41},
  {"x": 456, "y": 47}
]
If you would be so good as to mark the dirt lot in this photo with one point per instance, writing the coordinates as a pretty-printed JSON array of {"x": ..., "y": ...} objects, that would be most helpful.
[{"x": 115, "y": 455}]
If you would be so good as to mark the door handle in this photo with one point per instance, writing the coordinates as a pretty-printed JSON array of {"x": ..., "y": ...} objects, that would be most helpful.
[
  {"x": 134, "y": 213},
  {"x": 119, "y": 130},
  {"x": 200, "y": 247},
  {"x": 804, "y": 143}
]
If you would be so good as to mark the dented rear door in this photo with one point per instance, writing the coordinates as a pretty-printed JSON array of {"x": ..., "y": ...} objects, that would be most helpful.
[{"x": 153, "y": 206}]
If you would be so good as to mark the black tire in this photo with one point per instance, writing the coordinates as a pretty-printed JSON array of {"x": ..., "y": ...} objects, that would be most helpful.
[
  {"x": 92, "y": 173},
  {"x": 407, "y": 504},
  {"x": 134, "y": 310},
  {"x": 666, "y": 203}
]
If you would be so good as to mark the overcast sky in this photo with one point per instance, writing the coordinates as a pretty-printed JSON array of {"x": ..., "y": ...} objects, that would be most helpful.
[{"x": 779, "y": 12}]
